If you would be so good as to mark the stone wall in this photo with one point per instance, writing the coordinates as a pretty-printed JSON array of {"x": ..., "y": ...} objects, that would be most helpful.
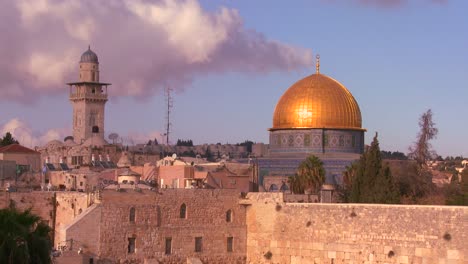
[
  {"x": 57, "y": 209},
  {"x": 84, "y": 232},
  {"x": 68, "y": 206},
  {"x": 279, "y": 232},
  {"x": 41, "y": 203},
  {"x": 157, "y": 217},
  {"x": 264, "y": 228}
]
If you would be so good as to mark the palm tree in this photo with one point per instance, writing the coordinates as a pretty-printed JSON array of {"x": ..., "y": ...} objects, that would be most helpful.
[
  {"x": 295, "y": 184},
  {"x": 24, "y": 238},
  {"x": 310, "y": 176}
]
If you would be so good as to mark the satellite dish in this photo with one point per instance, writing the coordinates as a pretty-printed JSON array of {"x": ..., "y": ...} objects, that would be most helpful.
[
  {"x": 113, "y": 137},
  {"x": 174, "y": 156}
]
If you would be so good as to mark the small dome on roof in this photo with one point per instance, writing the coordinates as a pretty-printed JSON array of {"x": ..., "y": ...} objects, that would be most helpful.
[
  {"x": 89, "y": 56},
  {"x": 54, "y": 143}
]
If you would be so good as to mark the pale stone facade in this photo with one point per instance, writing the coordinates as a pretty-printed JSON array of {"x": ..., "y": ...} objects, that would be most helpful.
[
  {"x": 263, "y": 228},
  {"x": 279, "y": 232},
  {"x": 88, "y": 97}
]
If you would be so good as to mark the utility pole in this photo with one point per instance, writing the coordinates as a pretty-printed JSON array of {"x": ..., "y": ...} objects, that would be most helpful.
[{"x": 169, "y": 102}]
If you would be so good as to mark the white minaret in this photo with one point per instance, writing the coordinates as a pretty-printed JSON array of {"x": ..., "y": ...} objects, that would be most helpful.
[{"x": 88, "y": 97}]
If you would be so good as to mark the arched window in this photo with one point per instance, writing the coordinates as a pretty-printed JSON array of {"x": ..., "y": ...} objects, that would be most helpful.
[
  {"x": 273, "y": 188},
  {"x": 95, "y": 129},
  {"x": 183, "y": 211},
  {"x": 229, "y": 216},
  {"x": 132, "y": 214},
  {"x": 284, "y": 187}
]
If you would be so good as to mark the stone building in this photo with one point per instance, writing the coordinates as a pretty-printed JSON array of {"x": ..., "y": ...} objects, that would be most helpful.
[
  {"x": 315, "y": 116},
  {"x": 19, "y": 167},
  {"x": 88, "y": 97},
  {"x": 169, "y": 226},
  {"x": 28, "y": 159}
]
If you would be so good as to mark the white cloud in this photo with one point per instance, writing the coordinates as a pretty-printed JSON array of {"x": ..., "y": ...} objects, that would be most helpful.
[
  {"x": 48, "y": 70},
  {"x": 142, "y": 45},
  {"x": 194, "y": 33},
  {"x": 23, "y": 132}
]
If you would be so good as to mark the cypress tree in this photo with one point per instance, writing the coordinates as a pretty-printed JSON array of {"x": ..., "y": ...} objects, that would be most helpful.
[{"x": 373, "y": 181}]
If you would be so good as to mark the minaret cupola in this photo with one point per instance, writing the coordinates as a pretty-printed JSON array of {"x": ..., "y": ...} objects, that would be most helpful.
[{"x": 89, "y": 66}]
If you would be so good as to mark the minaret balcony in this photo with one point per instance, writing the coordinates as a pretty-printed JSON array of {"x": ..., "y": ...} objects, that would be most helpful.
[{"x": 87, "y": 96}]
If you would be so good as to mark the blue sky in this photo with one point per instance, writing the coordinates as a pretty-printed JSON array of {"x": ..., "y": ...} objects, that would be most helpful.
[{"x": 397, "y": 61}]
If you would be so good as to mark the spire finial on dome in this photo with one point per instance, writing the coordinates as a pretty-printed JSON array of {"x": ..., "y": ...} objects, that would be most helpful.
[
  {"x": 317, "y": 64},
  {"x": 89, "y": 47}
]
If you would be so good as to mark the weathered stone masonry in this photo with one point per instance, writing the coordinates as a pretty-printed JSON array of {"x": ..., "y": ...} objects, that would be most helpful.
[
  {"x": 264, "y": 228},
  {"x": 157, "y": 217},
  {"x": 353, "y": 233}
]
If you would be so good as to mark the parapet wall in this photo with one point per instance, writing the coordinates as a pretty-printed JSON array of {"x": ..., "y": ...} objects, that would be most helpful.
[{"x": 279, "y": 232}]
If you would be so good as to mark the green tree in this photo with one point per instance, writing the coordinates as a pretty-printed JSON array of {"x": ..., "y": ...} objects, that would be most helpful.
[
  {"x": 8, "y": 139},
  {"x": 422, "y": 151},
  {"x": 344, "y": 190},
  {"x": 372, "y": 180},
  {"x": 209, "y": 155},
  {"x": 24, "y": 238},
  {"x": 457, "y": 191},
  {"x": 418, "y": 182},
  {"x": 310, "y": 176}
]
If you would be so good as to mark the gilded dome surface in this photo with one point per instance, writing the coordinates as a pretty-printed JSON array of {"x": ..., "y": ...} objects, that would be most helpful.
[{"x": 317, "y": 101}]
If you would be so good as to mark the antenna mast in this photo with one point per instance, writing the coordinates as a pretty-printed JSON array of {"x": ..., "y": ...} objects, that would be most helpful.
[{"x": 169, "y": 102}]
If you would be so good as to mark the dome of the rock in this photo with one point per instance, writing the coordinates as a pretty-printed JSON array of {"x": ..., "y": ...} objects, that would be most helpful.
[{"x": 317, "y": 101}]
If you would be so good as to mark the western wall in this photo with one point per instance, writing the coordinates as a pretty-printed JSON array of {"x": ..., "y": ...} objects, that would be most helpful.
[
  {"x": 263, "y": 228},
  {"x": 279, "y": 232}
]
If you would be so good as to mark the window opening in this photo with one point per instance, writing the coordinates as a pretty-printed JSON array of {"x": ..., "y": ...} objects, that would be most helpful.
[
  {"x": 183, "y": 211},
  {"x": 132, "y": 214},
  {"x": 198, "y": 244},
  {"x": 230, "y": 241}
]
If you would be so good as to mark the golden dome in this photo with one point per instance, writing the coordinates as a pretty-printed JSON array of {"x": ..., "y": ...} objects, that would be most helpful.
[{"x": 317, "y": 101}]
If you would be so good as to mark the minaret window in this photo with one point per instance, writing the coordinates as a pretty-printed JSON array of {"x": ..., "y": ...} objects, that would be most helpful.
[
  {"x": 230, "y": 242},
  {"x": 92, "y": 118},
  {"x": 131, "y": 245},
  {"x": 132, "y": 214},
  {"x": 229, "y": 216},
  {"x": 183, "y": 211}
]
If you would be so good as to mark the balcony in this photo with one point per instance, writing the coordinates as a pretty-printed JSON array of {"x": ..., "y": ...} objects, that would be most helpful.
[{"x": 87, "y": 96}]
